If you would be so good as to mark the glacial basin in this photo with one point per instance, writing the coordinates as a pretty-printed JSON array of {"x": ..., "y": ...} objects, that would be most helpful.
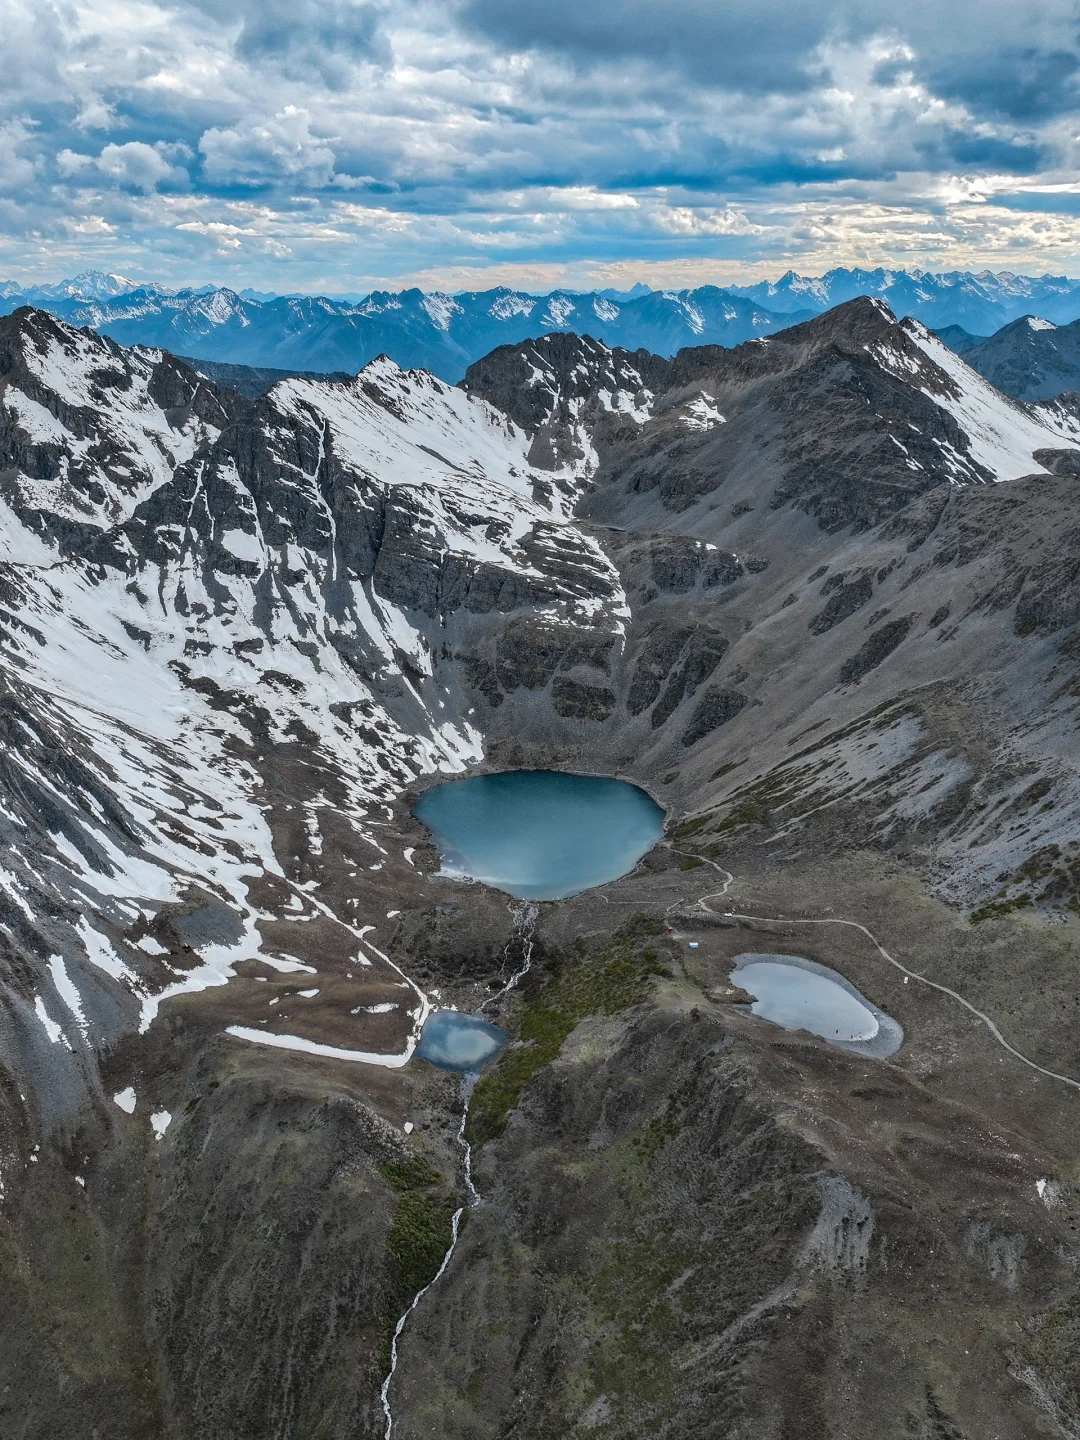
[
  {"x": 454, "y": 1041},
  {"x": 540, "y": 834},
  {"x": 799, "y": 994}
]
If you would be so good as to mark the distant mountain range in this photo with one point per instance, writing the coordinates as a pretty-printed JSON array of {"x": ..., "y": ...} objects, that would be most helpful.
[
  {"x": 446, "y": 333},
  {"x": 978, "y": 302},
  {"x": 437, "y": 332}
]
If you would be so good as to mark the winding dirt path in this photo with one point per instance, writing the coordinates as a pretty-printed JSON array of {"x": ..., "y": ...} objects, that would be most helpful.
[{"x": 702, "y": 903}]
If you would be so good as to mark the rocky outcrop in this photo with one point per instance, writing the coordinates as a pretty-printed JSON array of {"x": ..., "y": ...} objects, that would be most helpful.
[
  {"x": 717, "y": 706},
  {"x": 878, "y": 647}
]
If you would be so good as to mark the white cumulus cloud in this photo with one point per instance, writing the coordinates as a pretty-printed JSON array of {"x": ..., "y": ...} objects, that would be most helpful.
[{"x": 280, "y": 148}]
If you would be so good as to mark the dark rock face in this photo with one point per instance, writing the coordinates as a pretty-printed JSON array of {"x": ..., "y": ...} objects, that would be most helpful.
[
  {"x": 679, "y": 563},
  {"x": 702, "y": 655},
  {"x": 1049, "y": 598},
  {"x": 655, "y": 663},
  {"x": 715, "y": 708},
  {"x": 529, "y": 653},
  {"x": 845, "y": 597},
  {"x": 552, "y": 388},
  {"x": 877, "y": 648},
  {"x": 575, "y": 700},
  {"x": 1059, "y": 462}
]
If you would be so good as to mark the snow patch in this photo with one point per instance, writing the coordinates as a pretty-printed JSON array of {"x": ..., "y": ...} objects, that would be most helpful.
[
  {"x": 242, "y": 545},
  {"x": 52, "y": 1029},
  {"x": 1003, "y": 434},
  {"x": 67, "y": 990},
  {"x": 559, "y": 309},
  {"x": 701, "y": 413},
  {"x": 331, "y": 1052},
  {"x": 507, "y": 306},
  {"x": 440, "y": 309}
]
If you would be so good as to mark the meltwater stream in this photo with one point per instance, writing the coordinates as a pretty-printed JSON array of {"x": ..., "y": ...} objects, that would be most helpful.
[
  {"x": 465, "y": 1047},
  {"x": 472, "y": 1198}
]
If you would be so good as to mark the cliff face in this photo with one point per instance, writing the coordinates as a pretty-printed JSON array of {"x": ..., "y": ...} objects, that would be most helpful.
[{"x": 780, "y": 586}]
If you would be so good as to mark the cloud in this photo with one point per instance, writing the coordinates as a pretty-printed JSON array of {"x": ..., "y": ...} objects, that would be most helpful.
[
  {"x": 304, "y": 39},
  {"x": 141, "y": 166},
  {"x": 133, "y": 165},
  {"x": 320, "y": 35},
  {"x": 338, "y": 144},
  {"x": 261, "y": 152},
  {"x": 1009, "y": 57}
]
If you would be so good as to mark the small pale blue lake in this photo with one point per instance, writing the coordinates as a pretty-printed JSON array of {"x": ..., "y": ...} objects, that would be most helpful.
[
  {"x": 799, "y": 994},
  {"x": 540, "y": 834},
  {"x": 454, "y": 1041}
]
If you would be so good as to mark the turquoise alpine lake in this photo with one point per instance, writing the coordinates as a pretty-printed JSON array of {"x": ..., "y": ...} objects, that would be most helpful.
[
  {"x": 799, "y": 994},
  {"x": 540, "y": 834},
  {"x": 459, "y": 1042}
]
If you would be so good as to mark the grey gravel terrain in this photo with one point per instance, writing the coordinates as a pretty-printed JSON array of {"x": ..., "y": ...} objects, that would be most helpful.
[{"x": 819, "y": 596}]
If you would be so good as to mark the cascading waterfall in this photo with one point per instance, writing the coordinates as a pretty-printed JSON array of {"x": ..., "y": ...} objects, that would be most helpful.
[{"x": 525, "y": 916}]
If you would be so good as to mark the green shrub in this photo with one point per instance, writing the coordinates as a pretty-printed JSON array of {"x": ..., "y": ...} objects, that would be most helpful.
[
  {"x": 619, "y": 978},
  {"x": 420, "y": 1237},
  {"x": 416, "y": 1173}
]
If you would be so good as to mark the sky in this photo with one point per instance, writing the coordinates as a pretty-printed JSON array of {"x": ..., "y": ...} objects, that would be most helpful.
[{"x": 345, "y": 145}]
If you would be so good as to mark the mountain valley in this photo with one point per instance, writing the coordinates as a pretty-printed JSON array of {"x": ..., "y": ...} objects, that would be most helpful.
[{"x": 818, "y": 593}]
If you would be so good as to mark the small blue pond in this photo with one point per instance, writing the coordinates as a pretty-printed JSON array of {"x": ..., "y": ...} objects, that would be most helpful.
[
  {"x": 800, "y": 995},
  {"x": 540, "y": 834},
  {"x": 459, "y": 1042}
]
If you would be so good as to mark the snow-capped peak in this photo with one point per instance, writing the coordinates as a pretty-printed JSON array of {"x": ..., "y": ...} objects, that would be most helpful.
[{"x": 441, "y": 308}]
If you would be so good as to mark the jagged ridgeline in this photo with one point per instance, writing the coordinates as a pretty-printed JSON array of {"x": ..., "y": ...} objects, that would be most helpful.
[
  {"x": 445, "y": 333},
  {"x": 817, "y": 593}
]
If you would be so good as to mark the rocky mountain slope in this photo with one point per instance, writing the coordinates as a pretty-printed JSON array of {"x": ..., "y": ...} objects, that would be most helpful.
[
  {"x": 818, "y": 594},
  {"x": 1031, "y": 359},
  {"x": 253, "y": 381},
  {"x": 958, "y": 339}
]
